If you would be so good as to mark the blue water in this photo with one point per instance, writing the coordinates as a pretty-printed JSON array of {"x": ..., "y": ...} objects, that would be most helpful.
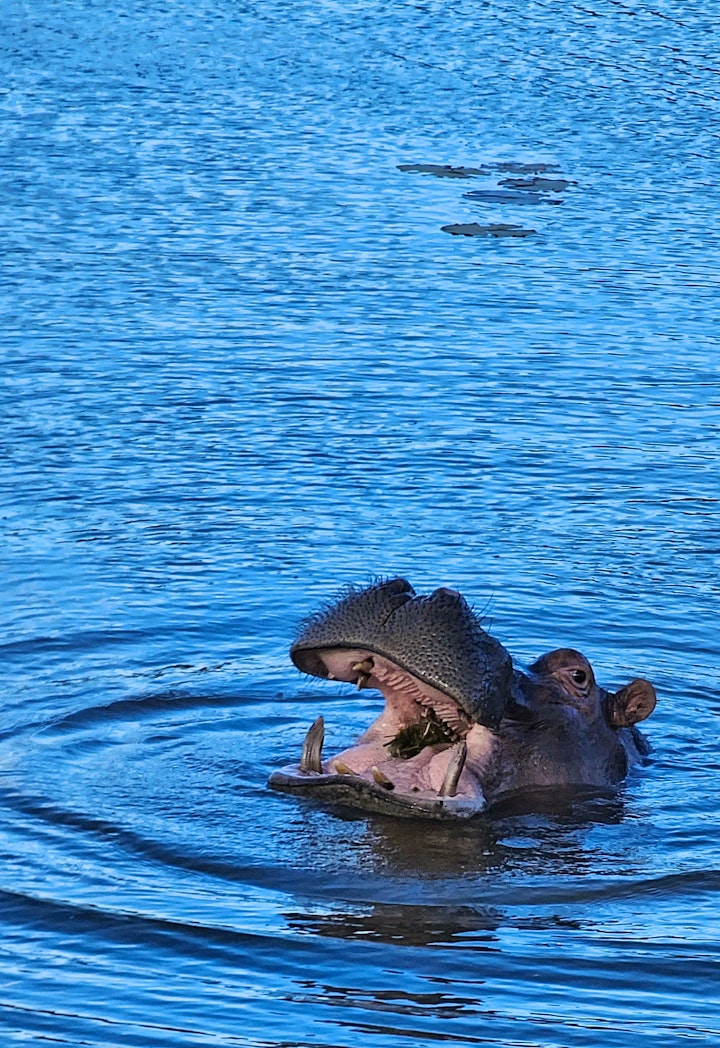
[{"x": 243, "y": 364}]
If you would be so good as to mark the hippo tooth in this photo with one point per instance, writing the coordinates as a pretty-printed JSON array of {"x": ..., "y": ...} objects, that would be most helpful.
[
  {"x": 366, "y": 666},
  {"x": 311, "y": 756},
  {"x": 454, "y": 770},
  {"x": 363, "y": 670},
  {"x": 342, "y": 768},
  {"x": 381, "y": 779}
]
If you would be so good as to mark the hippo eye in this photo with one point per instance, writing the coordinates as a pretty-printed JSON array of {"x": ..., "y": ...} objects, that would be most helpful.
[{"x": 579, "y": 676}]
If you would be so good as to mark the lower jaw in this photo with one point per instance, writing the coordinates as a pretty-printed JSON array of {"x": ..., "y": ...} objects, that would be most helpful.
[{"x": 367, "y": 795}]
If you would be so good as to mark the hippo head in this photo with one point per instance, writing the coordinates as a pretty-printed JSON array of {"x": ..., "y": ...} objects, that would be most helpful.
[{"x": 460, "y": 728}]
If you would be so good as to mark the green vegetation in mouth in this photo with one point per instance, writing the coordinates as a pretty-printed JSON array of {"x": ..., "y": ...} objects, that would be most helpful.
[{"x": 429, "y": 731}]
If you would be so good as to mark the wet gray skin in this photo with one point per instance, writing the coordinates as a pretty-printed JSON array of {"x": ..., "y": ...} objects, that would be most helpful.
[{"x": 461, "y": 730}]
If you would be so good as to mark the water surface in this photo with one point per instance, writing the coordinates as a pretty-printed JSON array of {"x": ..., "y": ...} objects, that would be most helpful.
[{"x": 244, "y": 365}]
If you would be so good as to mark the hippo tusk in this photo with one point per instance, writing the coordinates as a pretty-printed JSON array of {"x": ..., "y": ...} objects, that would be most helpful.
[
  {"x": 311, "y": 756},
  {"x": 454, "y": 770}
]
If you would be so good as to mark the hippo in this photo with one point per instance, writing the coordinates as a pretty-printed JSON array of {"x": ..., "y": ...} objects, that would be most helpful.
[{"x": 462, "y": 729}]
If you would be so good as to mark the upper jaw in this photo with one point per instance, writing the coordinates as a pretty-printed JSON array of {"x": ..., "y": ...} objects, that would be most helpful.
[
  {"x": 406, "y": 694},
  {"x": 436, "y": 639}
]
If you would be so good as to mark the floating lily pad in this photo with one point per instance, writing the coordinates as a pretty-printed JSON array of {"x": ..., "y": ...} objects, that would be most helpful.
[
  {"x": 507, "y": 196},
  {"x": 538, "y": 185},
  {"x": 443, "y": 170},
  {"x": 495, "y": 229}
]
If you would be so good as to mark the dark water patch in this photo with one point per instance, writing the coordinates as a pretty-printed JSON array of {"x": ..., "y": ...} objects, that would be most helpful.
[
  {"x": 444, "y": 170},
  {"x": 499, "y": 196},
  {"x": 493, "y": 230},
  {"x": 538, "y": 185}
]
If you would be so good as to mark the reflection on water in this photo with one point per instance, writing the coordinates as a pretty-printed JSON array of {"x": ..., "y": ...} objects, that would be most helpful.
[{"x": 409, "y": 925}]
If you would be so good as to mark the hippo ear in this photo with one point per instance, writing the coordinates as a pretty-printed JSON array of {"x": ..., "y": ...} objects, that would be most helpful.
[{"x": 631, "y": 704}]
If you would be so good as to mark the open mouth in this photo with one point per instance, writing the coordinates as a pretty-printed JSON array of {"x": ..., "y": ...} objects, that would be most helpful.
[
  {"x": 418, "y": 758},
  {"x": 446, "y": 683}
]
